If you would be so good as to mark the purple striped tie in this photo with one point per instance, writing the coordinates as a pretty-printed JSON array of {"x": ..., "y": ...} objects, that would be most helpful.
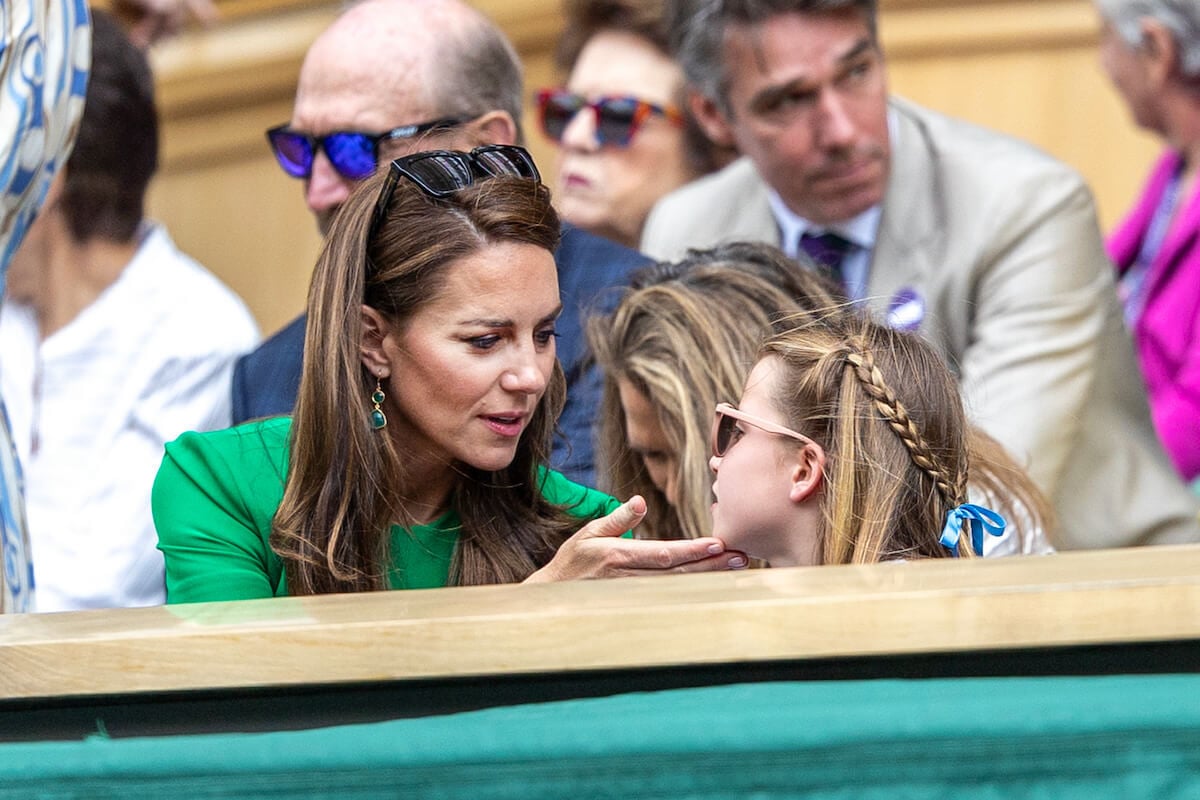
[{"x": 827, "y": 250}]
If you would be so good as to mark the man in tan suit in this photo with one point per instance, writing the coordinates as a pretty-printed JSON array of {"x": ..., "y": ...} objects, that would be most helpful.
[{"x": 988, "y": 247}]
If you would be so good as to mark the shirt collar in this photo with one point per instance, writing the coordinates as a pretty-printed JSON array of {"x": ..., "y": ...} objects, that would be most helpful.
[{"x": 860, "y": 230}]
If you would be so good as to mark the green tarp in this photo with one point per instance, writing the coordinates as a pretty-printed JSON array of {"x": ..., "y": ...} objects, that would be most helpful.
[{"x": 1071, "y": 737}]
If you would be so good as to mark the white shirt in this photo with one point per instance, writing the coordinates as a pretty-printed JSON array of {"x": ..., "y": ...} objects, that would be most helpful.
[{"x": 92, "y": 406}]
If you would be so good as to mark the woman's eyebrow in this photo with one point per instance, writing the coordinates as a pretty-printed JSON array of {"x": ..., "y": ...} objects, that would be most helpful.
[{"x": 508, "y": 323}]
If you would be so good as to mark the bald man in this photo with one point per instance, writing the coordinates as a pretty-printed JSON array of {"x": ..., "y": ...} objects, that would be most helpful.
[{"x": 423, "y": 76}]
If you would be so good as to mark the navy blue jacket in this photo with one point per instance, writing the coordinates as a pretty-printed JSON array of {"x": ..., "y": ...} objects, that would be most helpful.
[{"x": 591, "y": 271}]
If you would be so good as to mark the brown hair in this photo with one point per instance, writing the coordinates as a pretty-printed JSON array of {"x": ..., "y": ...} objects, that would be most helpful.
[
  {"x": 899, "y": 450},
  {"x": 586, "y": 18},
  {"x": 116, "y": 150},
  {"x": 346, "y": 484},
  {"x": 685, "y": 334}
]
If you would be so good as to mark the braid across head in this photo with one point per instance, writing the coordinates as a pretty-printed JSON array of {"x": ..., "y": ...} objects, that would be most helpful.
[
  {"x": 886, "y": 409},
  {"x": 893, "y": 412}
]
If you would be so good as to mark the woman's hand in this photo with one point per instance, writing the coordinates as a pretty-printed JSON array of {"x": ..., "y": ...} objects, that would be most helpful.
[{"x": 598, "y": 551}]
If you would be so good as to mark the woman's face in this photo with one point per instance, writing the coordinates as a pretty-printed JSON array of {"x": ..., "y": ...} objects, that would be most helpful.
[
  {"x": 754, "y": 511},
  {"x": 468, "y": 369},
  {"x": 645, "y": 436},
  {"x": 610, "y": 190}
]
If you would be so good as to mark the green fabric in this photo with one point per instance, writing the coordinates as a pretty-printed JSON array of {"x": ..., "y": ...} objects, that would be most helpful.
[
  {"x": 1092, "y": 738},
  {"x": 216, "y": 494}
]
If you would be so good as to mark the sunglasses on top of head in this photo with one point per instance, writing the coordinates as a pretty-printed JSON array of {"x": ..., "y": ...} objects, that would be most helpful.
[
  {"x": 353, "y": 154},
  {"x": 618, "y": 119},
  {"x": 441, "y": 173},
  {"x": 725, "y": 432}
]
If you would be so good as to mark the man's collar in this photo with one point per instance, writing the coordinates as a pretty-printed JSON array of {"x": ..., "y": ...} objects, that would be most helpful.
[{"x": 860, "y": 230}]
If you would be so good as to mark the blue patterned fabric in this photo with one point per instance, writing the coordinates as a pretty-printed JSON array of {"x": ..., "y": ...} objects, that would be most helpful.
[{"x": 44, "y": 56}]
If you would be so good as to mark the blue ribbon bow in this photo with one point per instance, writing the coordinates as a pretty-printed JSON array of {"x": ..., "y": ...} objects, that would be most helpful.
[{"x": 979, "y": 519}]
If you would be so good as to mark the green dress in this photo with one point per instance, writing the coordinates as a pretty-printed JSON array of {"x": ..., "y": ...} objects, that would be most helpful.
[{"x": 216, "y": 494}]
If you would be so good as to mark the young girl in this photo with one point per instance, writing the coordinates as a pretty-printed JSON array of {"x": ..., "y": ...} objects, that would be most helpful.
[
  {"x": 684, "y": 337},
  {"x": 849, "y": 445}
]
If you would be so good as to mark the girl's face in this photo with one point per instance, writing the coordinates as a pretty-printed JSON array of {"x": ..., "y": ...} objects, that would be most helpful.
[
  {"x": 609, "y": 190},
  {"x": 647, "y": 439},
  {"x": 468, "y": 369},
  {"x": 757, "y": 509}
]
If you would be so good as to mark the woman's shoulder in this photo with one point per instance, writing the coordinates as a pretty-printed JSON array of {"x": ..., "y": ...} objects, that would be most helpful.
[
  {"x": 248, "y": 461},
  {"x": 214, "y": 499},
  {"x": 574, "y": 498},
  {"x": 264, "y": 439}
]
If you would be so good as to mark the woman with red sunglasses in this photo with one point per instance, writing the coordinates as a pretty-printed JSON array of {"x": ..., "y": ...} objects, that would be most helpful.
[{"x": 623, "y": 138}]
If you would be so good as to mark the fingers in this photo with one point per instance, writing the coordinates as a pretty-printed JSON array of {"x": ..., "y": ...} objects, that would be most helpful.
[
  {"x": 730, "y": 560},
  {"x": 644, "y": 557},
  {"x": 625, "y": 518},
  {"x": 598, "y": 550}
]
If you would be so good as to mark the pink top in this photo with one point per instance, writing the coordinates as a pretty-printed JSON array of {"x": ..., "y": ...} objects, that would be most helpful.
[{"x": 1166, "y": 332}]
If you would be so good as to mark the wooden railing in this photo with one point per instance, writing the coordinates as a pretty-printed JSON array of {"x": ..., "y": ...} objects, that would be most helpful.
[{"x": 1084, "y": 612}]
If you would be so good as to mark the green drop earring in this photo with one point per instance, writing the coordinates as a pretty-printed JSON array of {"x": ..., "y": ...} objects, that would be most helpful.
[{"x": 378, "y": 420}]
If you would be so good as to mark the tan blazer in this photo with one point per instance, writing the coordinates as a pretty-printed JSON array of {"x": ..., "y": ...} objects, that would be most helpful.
[{"x": 995, "y": 248}]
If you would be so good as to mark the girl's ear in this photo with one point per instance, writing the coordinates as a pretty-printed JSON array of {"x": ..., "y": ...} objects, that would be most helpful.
[
  {"x": 808, "y": 474},
  {"x": 375, "y": 329}
]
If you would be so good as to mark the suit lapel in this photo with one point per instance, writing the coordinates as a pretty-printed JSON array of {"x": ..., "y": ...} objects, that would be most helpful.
[
  {"x": 910, "y": 244},
  {"x": 750, "y": 215}
]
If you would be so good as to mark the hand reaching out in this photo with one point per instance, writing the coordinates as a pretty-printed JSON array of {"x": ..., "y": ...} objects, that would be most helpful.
[{"x": 598, "y": 551}]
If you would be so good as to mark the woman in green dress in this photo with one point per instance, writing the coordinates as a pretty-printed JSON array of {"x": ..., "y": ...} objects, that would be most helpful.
[{"x": 417, "y": 454}]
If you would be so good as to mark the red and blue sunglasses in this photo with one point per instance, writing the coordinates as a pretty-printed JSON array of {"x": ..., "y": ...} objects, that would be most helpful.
[{"x": 618, "y": 119}]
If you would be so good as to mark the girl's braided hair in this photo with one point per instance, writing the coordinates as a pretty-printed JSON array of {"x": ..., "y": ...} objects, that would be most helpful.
[{"x": 887, "y": 411}]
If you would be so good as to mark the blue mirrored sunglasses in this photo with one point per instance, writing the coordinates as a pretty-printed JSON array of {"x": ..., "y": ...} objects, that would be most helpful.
[{"x": 353, "y": 154}]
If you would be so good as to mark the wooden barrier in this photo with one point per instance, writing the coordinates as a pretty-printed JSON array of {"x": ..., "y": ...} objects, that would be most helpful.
[{"x": 400, "y": 653}]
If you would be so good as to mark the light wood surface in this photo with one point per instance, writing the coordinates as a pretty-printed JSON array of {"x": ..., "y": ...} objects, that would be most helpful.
[{"x": 1099, "y": 597}]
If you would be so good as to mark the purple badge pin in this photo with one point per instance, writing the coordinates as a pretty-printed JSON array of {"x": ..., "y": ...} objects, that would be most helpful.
[{"x": 906, "y": 310}]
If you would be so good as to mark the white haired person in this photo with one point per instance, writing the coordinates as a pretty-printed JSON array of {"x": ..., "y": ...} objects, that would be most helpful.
[{"x": 1151, "y": 51}]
